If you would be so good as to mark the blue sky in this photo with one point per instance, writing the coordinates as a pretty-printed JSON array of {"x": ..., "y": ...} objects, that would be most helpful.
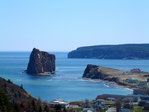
[{"x": 64, "y": 25}]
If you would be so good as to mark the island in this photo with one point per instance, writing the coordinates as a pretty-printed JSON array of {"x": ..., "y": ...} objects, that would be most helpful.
[
  {"x": 122, "y": 51},
  {"x": 41, "y": 62}
]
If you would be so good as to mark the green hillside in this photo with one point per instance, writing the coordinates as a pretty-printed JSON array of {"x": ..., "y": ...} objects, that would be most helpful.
[{"x": 122, "y": 51}]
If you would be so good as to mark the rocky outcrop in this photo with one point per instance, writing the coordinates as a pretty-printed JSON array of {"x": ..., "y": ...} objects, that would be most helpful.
[
  {"x": 41, "y": 62},
  {"x": 93, "y": 72},
  {"x": 99, "y": 72}
]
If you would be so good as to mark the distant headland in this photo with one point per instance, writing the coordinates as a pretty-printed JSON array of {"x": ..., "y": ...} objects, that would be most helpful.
[{"x": 121, "y": 51}]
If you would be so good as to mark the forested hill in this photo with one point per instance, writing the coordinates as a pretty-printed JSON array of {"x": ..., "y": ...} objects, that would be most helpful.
[
  {"x": 14, "y": 98},
  {"x": 122, "y": 51}
]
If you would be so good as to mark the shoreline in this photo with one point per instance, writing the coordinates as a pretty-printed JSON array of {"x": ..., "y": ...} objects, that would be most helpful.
[
  {"x": 110, "y": 83},
  {"x": 40, "y": 74},
  {"x": 117, "y": 77}
]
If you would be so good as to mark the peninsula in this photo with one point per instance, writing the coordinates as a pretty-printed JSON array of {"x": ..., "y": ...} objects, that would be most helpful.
[
  {"x": 134, "y": 78},
  {"x": 122, "y": 51}
]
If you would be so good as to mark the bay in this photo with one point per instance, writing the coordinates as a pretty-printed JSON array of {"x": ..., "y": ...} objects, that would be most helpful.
[{"x": 67, "y": 82}]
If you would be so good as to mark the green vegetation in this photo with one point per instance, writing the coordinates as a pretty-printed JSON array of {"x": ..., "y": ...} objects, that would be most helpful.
[
  {"x": 4, "y": 104},
  {"x": 137, "y": 109},
  {"x": 14, "y": 98},
  {"x": 110, "y": 103},
  {"x": 123, "y": 51},
  {"x": 78, "y": 109}
]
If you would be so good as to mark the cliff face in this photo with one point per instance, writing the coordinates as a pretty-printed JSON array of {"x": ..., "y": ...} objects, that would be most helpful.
[
  {"x": 115, "y": 75},
  {"x": 122, "y": 51},
  {"x": 93, "y": 72},
  {"x": 99, "y": 72},
  {"x": 41, "y": 62}
]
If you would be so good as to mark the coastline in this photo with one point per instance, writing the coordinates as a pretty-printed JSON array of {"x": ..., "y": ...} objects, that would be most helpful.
[
  {"x": 122, "y": 79},
  {"x": 110, "y": 83}
]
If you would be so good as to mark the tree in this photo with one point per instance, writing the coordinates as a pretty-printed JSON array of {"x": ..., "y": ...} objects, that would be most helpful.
[
  {"x": 21, "y": 86},
  {"x": 58, "y": 107},
  {"x": 118, "y": 105}
]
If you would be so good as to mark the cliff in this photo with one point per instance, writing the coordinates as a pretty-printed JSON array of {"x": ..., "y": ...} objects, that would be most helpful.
[
  {"x": 115, "y": 75},
  {"x": 99, "y": 72},
  {"x": 41, "y": 62},
  {"x": 122, "y": 51}
]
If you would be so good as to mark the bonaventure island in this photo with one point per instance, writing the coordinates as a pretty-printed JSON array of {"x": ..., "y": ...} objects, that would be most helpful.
[{"x": 14, "y": 98}]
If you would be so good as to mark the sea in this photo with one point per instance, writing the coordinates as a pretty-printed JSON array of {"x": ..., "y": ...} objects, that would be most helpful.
[{"x": 67, "y": 83}]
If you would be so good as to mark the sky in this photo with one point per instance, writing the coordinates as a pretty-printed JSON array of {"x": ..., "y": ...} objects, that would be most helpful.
[{"x": 64, "y": 25}]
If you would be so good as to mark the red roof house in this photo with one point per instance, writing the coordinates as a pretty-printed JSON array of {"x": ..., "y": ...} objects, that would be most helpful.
[{"x": 136, "y": 70}]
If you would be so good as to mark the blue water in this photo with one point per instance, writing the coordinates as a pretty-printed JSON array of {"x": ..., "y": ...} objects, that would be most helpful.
[{"x": 67, "y": 82}]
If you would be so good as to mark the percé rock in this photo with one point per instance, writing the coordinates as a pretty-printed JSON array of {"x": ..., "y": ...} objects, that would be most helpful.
[
  {"x": 122, "y": 51},
  {"x": 41, "y": 62}
]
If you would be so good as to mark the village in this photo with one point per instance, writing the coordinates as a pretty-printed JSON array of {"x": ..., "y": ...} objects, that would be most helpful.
[
  {"x": 137, "y": 78},
  {"x": 137, "y": 102},
  {"x": 107, "y": 103}
]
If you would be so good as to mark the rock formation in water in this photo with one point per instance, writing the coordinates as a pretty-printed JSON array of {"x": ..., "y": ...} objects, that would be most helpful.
[
  {"x": 41, "y": 62},
  {"x": 122, "y": 51}
]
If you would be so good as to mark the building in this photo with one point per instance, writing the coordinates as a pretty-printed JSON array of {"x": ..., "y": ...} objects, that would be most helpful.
[
  {"x": 143, "y": 83},
  {"x": 61, "y": 102},
  {"x": 125, "y": 110},
  {"x": 146, "y": 106},
  {"x": 99, "y": 104},
  {"x": 88, "y": 110},
  {"x": 132, "y": 80},
  {"x": 111, "y": 109},
  {"x": 136, "y": 70},
  {"x": 74, "y": 106},
  {"x": 111, "y": 99}
]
